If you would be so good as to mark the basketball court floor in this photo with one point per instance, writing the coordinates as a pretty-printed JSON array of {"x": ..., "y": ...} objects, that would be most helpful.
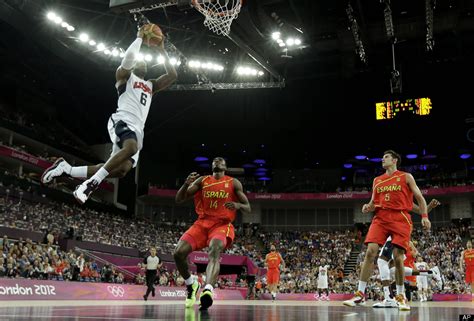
[{"x": 226, "y": 311}]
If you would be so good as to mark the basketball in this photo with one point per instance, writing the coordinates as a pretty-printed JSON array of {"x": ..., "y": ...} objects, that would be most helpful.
[{"x": 152, "y": 35}]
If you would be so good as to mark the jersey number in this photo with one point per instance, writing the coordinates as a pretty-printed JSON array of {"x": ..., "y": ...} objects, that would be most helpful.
[
  {"x": 387, "y": 197},
  {"x": 143, "y": 99},
  {"x": 213, "y": 204}
]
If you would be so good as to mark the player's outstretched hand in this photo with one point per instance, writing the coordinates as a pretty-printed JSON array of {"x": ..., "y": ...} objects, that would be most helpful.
[
  {"x": 192, "y": 177},
  {"x": 232, "y": 205},
  {"x": 434, "y": 203},
  {"x": 367, "y": 208},
  {"x": 425, "y": 222}
]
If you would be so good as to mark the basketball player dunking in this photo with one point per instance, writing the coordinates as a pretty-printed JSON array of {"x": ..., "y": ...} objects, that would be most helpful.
[
  {"x": 126, "y": 125},
  {"x": 273, "y": 261},
  {"x": 217, "y": 198},
  {"x": 467, "y": 257},
  {"x": 392, "y": 199}
]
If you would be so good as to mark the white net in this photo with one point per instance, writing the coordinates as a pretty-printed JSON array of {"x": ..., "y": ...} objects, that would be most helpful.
[{"x": 218, "y": 14}]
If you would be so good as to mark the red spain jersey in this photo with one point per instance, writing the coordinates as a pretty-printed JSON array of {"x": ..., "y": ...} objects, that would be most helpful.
[
  {"x": 273, "y": 260},
  {"x": 469, "y": 257},
  {"x": 209, "y": 201},
  {"x": 392, "y": 192}
]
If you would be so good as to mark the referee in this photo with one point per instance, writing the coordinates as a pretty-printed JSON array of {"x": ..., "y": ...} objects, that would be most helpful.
[{"x": 151, "y": 263}]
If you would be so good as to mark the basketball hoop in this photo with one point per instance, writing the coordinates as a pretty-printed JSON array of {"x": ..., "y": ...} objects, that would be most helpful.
[{"x": 218, "y": 14}]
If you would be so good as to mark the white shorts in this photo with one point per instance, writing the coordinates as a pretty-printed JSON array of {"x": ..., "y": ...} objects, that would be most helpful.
[
  {"x": 322, "y": 284},
  {"x": 422, "y": 282},
  {"x": 122, "y": 129}
]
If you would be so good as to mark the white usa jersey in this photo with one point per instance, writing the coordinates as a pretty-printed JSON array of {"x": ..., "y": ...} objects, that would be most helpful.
[
  {"x": 134, "y": 101},
  {"x": 323, "y": 272},
  {"x": 421, "y": 266}
]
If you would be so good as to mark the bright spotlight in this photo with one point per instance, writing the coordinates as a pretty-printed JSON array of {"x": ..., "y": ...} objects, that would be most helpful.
[
  {"x": 253, "y": 72},
  {"x": 160, "y": 59},
  {"x": 57, "y": 20},
  {"x": 220, "y": 68},
  {"x": 290, "y": 41},
  {"x": 198, "y": 64},
  {"x": 173, "y": 61},
  {"x": 51, "y": 15},
  {"x": 107, "y": 52},
  {"x": 100, "y": 46},
  {"x": 92, "y": 42},
  {"x": 70, "y": 28},
  {"x": 260, "y": 73},
  {"x": 281, "y": 44},
  {"x": 84, "y": 37},
  {"x": 148, "y": 57},
  {"x": 122, "y": 54},
  {"x": 64, "y": 24},
  {"x": 140, "y": 57},
  {"x": 115, "y": 52},
  {"x": 297, "y": 42},
  {"x": 276, "y": 35}
]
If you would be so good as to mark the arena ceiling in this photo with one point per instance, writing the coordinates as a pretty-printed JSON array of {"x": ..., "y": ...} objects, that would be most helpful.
[{"x": 325, "y": 111}]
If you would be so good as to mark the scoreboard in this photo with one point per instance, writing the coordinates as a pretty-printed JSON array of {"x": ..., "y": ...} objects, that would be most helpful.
[{"x": 397, "y": 108}]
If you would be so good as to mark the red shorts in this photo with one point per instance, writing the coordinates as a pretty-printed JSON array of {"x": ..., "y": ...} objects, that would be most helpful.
[
  {"x": 273, "y": 276},
  {"x": 393, "y": 223},
  {"x": 200, "y": 234},
  {"x": 469, "y": 274}
]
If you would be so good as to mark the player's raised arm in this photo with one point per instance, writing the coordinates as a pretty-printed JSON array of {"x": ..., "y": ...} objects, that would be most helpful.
[
  {"x": 191, "y": 185},
  {"x": 128, "y": 61},
  {"x": 243, "y": 203},
  {"x": 166, "y": 80}
]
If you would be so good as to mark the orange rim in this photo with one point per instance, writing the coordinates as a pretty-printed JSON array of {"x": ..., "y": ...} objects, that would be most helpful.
[{"x": 198, "y": 6}]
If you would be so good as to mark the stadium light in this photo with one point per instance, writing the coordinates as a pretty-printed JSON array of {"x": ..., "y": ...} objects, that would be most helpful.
[
  {"x": 92, "y": 42},
  {"x": 297, "y": 41},
  {"x": 140, "y": 57},
  {"x": 281, "y": 44},
  {"x": 160, "y": 59},
  {"x": 100, "y": 46},
  {"x": 122, "y": 54},
  {"x": 70, "y": 28},
  {"x": 276, "y": 35},
  {"x": 84, "y": 37},
  {"x": 290, "y": 41},
  {"x": 57, "y": 19},
  {"x": 51, "y": 15},
  {"x": 148, "y": 57},
  {"x": 173, "y": 61},
  {"x": 107, "y": 52},
  {"x": 115, "y": 52},
  {"x": 64, "y": 24}
]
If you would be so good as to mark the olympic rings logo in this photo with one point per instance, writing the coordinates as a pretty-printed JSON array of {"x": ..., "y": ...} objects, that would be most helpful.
[{"x": 116, "y": 291}]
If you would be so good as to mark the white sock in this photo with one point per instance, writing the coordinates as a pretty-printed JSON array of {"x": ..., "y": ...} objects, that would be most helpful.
[
  {"x": 209, "y": 287},
  {"x": 100, "y": 175},
  {"x": 400, "y": 289},
  {"x": 362, "y": 286},
  {"x": 78, "y": 171},
  {"x": 189, "y": 280},
  {"x": 386, "y": 292}
]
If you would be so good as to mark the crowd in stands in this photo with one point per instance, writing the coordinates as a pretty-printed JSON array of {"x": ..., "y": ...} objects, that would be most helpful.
[{"x": 25, "y": 259}]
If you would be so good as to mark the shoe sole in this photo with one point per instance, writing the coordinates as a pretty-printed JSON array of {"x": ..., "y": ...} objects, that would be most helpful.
[
  {"x": 77, "y": 199},
  {"x": 55, "y": 164},
  {"x": 206, "y": 303}
]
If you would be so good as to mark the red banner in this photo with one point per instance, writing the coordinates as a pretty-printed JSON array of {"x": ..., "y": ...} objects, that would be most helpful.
[
  {"x": 38, "y": 162},
  {"x": 323, "y": 196}
]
